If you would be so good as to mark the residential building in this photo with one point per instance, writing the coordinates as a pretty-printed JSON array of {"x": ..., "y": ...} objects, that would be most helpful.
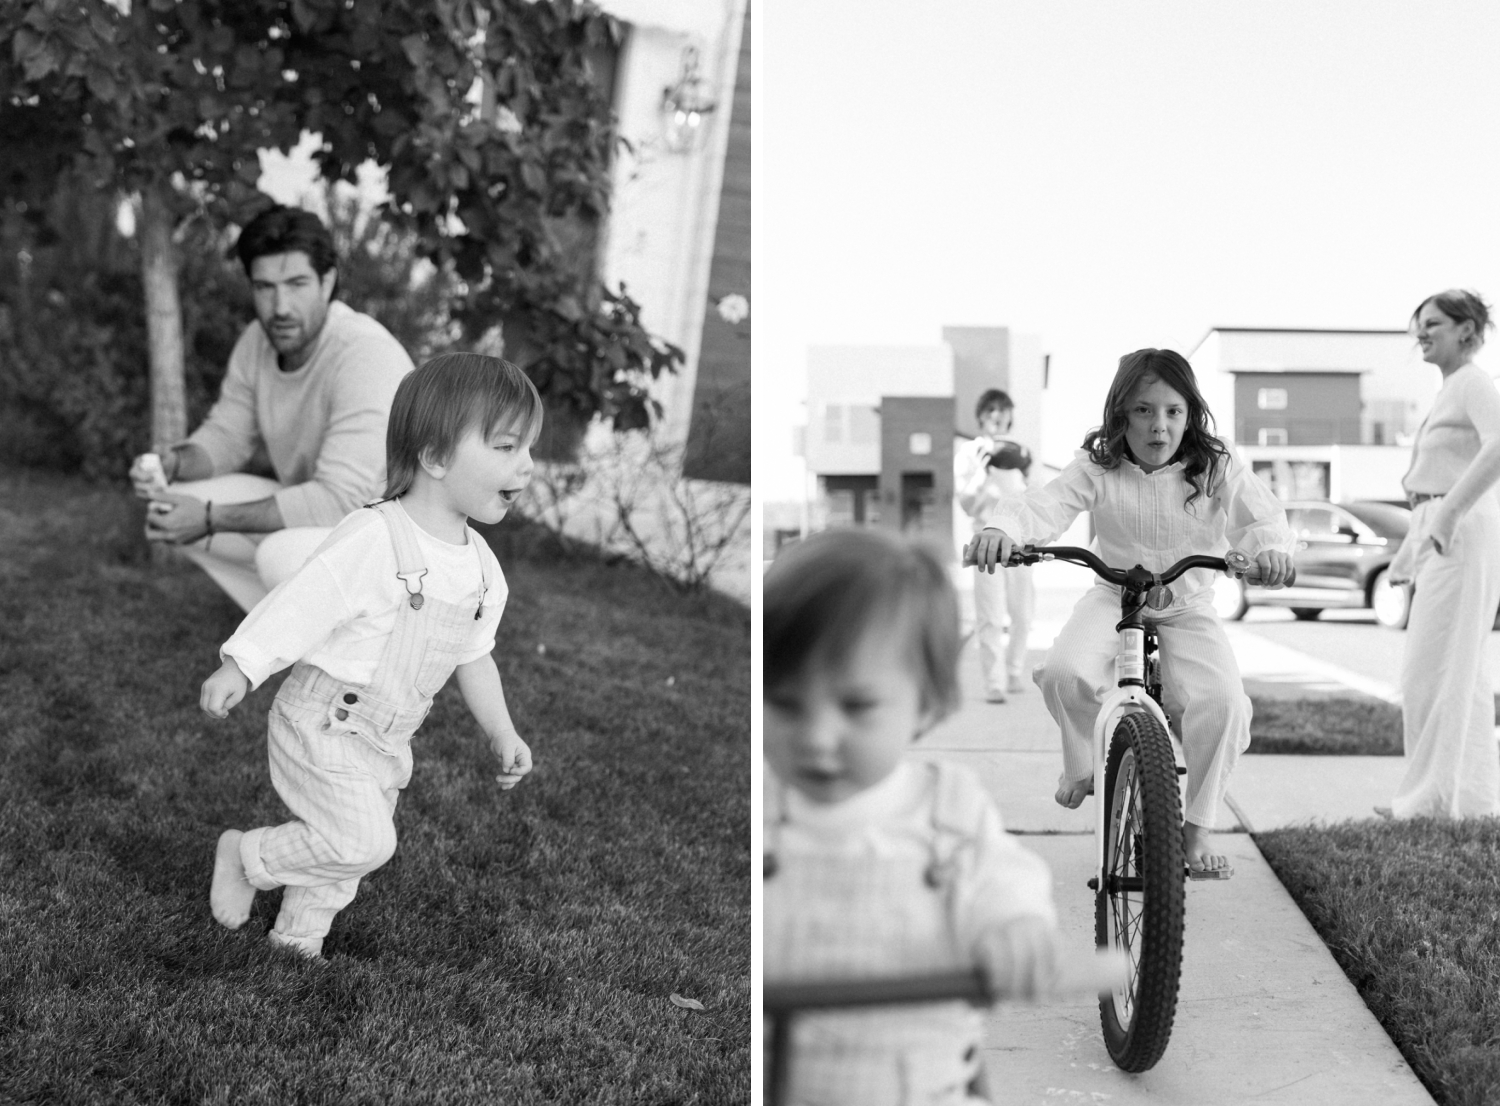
[
  {"x": 882, "y": 422},
  {"x": 1319, "y": 413}
]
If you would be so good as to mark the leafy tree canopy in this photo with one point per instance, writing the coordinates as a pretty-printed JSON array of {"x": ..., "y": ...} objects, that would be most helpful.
[{"x": 175, "y": 98}]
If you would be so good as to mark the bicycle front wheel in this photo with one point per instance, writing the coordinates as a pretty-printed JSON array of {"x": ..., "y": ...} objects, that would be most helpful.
[{"x": 1140, "y": 907}]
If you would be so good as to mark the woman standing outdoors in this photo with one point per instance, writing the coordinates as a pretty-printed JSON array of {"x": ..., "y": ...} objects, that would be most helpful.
[{"x": 1452, "y": 554}]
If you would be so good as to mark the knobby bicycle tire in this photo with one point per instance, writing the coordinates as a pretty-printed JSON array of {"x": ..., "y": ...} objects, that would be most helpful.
[{"x": 1140, "y": 907}]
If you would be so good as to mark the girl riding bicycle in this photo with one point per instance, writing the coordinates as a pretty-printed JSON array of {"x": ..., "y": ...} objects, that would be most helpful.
[{"x": 1159, "y": 486}]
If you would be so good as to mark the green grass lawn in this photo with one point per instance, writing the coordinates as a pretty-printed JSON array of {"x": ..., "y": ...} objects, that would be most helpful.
[
  {"x": 1411, "y": 911},
  {"x": 1351, "y": 727},
  {"x": 521, "y": 947}
]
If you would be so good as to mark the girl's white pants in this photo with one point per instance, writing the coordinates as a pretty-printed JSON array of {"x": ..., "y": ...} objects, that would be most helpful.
[
  {"x": 1448, "y": 701},
  {"x": 1205, "y": 699}
]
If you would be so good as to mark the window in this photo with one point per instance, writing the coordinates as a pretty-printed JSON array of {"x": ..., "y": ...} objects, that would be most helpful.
[
  {"x": 1271, "y": 399},
  {"x": 833, "y": 423},
  {"x": 864, "y": 425},
  {"x": 1312, "y": 523},
  {"x": 1272, "y": 435},
  {"x": 921, "y": 444}
]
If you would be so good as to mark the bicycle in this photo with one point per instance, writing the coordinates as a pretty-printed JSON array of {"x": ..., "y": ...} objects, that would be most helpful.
[{"x": 1139, "y": 900}]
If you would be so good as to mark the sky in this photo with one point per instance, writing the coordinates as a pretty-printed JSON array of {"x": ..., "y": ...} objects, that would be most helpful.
[{"x": 1109, "y": 175}]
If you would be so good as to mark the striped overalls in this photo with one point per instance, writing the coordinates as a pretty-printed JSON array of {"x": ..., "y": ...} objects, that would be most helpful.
[{"x": 341, "y": 753}]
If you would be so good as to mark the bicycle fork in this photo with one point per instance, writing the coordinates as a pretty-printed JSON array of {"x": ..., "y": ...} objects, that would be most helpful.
[{"x": 1129, "y": 696}]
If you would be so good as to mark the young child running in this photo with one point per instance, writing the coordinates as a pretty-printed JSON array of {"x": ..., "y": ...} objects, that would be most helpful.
[
  {"x": 877, "y": 864},
  {"x": 1159, "y": 486},
  {"x": 402, "y": 595}
]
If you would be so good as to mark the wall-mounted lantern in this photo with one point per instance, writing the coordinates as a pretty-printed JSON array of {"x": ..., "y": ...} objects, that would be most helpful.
[{"x": 684, "y": 106}]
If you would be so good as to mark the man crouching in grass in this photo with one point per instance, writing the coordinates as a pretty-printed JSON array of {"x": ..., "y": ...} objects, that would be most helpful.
[{"x": 401, "y": 595}]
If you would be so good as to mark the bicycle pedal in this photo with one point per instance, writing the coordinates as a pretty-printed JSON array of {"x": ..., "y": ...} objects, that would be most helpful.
[{"x": 1208, "y": 873}]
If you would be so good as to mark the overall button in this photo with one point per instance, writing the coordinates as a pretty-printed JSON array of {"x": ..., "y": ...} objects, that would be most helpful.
[
  {"x": 341, "y": 714},
  {"x": 350, "y": 697}
]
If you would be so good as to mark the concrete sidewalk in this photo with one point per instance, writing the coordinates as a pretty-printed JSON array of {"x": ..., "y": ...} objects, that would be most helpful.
[{"x": 1264, "y": 1013}]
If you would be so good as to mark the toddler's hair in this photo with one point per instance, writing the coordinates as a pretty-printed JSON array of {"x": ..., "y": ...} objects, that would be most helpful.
[
  {"x": 1460, "y": 304},
  {"x": 823, "y": 593},
  {"x": 436, "y": 404},
  {"x": 994, "y": 397},
  {"x": 1204, "y": 456}
]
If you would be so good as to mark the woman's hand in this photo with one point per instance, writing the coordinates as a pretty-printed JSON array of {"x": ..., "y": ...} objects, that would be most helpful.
[{"x": 1444, "y": 532}]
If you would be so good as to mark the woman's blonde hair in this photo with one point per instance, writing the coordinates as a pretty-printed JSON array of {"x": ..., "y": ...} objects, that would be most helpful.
[{"x": 1460, "y": 304}]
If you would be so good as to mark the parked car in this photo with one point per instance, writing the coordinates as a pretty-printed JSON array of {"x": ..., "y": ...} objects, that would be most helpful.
[{"x": 1343, "y": 553}]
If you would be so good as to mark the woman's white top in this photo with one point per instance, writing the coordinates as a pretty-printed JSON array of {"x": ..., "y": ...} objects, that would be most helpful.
[
  {"x": 1464, "y": 417},
  {"x": 1143, "y": 518}
]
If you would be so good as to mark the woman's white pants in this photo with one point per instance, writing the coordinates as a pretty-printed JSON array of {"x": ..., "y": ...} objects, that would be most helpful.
[
  {"x": 1448, "y": 700},
  {"x": 1205, "y": 699}
]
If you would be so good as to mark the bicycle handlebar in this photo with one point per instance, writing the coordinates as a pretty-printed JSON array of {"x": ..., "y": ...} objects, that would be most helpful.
[
  {"x": 782, "y": 998},
  {"x": 1028, "y": 555},
  {"x": 1031, "y": 554}
]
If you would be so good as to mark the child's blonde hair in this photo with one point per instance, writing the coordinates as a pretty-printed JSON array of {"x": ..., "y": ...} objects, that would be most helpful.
[
  {"x": 437, "y": 403},
  {"x": 823, "y": 593}
]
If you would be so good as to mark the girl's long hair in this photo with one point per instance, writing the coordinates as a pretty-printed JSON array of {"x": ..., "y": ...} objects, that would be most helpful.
[{"x": 1204, "y": 457}]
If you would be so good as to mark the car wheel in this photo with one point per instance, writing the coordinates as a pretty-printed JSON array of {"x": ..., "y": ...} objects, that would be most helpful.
[
  {"x": 1306, "y": 614},
  {"x": 1390, "y": 602},
  {"x": 1230, "y": 603}
]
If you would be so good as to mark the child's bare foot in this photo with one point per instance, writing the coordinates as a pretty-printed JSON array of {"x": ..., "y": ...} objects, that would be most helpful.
[
  {"x": 1072, "y": 794},
  {"x": 231, "y": 894},
  {"x": 1198, "y": 850}
]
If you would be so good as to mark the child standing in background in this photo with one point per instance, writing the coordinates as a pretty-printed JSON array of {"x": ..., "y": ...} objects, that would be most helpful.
[
  {"x": 985, "y": 471},
  {"x": 878, "y": 865},
  {"x": 402, "y": 594}
]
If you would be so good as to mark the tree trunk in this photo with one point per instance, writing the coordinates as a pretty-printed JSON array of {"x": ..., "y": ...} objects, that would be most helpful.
[{"x": 159, "y": 266}]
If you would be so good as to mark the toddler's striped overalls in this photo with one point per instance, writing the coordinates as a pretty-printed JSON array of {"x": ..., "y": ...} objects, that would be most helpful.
[{"x": 341, "y": 753}]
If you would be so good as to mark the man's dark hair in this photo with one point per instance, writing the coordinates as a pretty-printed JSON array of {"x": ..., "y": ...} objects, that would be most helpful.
[
  {"x": 282, "y": 229},
  {"x": 993, "y": 398}
]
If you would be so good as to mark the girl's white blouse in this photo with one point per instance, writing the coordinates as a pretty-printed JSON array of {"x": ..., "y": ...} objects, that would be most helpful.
[{"x": 1143, "y": 518}]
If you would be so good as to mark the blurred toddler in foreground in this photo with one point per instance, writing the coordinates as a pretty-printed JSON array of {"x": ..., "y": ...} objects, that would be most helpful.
[{"x": 878, "y": 865}]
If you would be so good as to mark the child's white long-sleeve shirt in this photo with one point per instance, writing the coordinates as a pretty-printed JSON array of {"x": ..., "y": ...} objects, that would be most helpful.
[
  {"x": 340, "y": 607},
  {"x": 1143, "y": 518}
]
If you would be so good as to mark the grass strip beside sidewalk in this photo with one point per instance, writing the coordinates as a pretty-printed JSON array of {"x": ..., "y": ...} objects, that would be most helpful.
[
  {"x": 1411, "y": 911},
  {"x": 1325, "y": 726},
  {"x": 521, "y": 947}
]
